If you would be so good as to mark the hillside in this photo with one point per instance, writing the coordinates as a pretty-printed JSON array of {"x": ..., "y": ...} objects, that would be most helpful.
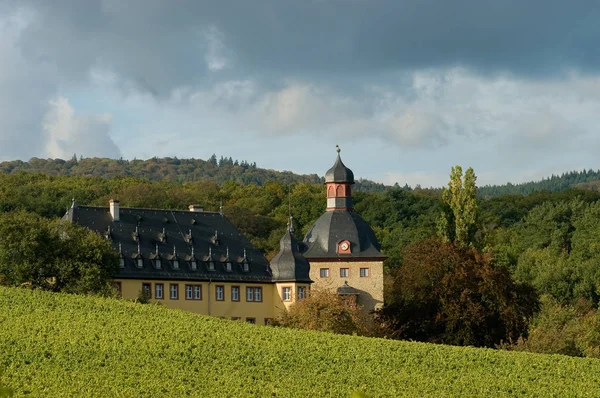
[
  {"x": 60, "y": 345},
  {"x": 170, "y": 170}
]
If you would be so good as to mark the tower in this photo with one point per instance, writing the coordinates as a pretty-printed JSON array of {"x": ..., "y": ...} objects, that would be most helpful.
[{"x": 341, "y": 247}]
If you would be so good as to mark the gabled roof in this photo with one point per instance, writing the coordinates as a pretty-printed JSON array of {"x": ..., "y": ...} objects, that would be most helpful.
[{"x": 179, "y": 239}]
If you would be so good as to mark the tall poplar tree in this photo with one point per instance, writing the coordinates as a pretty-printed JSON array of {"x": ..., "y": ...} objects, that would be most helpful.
[{"x": 457, "y": 222}]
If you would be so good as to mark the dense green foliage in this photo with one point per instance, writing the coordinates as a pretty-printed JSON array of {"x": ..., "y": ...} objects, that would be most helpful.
[
  {"x": 52, "y": 255},
  {"x": 445, "y": 293},
  {"x": 564, "y": 329},
  {"x": 71, "y": 346}
]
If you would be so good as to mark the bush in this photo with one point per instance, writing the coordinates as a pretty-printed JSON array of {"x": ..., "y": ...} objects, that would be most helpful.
[{"x": 327, "y": 311}]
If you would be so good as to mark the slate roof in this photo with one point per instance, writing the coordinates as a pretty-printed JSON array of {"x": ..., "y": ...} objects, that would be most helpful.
[
  {"x": 289, "y": 265},
  {"x": 176, "y": 236},
  {"x": 334, "y": 226},
  {"x": 339, "y": 172}
]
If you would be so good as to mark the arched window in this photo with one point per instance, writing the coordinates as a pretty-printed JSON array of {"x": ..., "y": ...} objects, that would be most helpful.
[
  {"x": 330, "y": 191},
  {"x": 340, "y": 191}
]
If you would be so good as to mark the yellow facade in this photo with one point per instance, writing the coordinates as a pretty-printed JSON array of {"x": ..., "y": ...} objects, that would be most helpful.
[
  {"x": 369, "y": 285},
  {"x": 231, "y": 300}
]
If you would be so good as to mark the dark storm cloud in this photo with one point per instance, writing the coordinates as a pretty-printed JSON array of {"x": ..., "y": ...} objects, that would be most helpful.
[{"x": 159, "y": 45}]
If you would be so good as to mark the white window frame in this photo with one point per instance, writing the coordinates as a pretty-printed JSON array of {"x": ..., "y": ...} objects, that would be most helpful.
[
  {"x": 249, "y": 294},
  {"x": 220, "y": 293},
  {"x": 174, "y": 288},
  {"x": 197, "y": 292},
  {"x": 159, "y": 291},
  {"x": 140, "y": 263},
  {"x": 258, "y": 294},
  {"x": 189, "y": 292},
  {"x": 175, "y": 264},
  {"x": 364, "y": 272},
  {"x": 235, "y": 293},
  {"x": 158, "y": 263},
  {"x": 344, "y": 272},
  {"x": 324, "y": 272},
  {"x": 286, "y": 293}
]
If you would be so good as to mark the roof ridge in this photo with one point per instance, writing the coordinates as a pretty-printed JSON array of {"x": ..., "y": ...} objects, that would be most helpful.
[{"x": 150, "y": 209}]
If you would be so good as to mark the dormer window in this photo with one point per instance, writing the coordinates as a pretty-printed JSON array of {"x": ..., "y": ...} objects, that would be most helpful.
[
  {"x": 228, "y": 266},
  {"x": 122, "y": 262},
  {"x": 175, "y": 264},
  {"x": 158, "y": 263},
  {"x": 211, "y": 265},
  {"x": 246, "y": 267},
  {"x": 140, "y": 263},
  {"x": 194, "y": 265}
]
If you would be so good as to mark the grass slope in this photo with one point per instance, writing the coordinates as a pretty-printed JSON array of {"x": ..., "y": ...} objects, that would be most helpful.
[{"x": 55, "y": 345}]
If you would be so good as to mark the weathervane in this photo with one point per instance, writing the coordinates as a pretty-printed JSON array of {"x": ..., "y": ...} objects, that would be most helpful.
[{"x": 337, "y": 148}]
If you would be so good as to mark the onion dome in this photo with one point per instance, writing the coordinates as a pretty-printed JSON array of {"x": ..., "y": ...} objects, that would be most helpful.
[
  {"x": 339, "y": 172},
  {"x": 289, "y": 265}
]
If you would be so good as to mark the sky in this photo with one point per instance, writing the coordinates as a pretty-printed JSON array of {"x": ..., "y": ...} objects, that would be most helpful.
[{"x": 407, "y": 88}]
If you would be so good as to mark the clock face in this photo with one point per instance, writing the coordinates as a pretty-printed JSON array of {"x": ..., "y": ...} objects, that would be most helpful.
[{"x": 344, "y": 245}]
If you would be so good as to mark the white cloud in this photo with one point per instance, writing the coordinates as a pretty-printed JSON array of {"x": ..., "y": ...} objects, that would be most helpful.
[{"x": 67, "y": 133}]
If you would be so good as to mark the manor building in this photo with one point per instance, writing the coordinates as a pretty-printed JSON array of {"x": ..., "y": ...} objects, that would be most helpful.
[{"x": 198, "y": 261}]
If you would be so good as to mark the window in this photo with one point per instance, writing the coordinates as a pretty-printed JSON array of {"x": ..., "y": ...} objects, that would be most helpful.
[
  {"x": 147, "y": 290},
  {"x": 268, "y": 321},
  {"x": 122, "y": 262},
  {"x": 324, "y": 272},
  {"x": 235, "y": 318},
  {"x": 228, "y": 267},
  {"x": 175, "y": 264},
  {"x": 251, "y": 320},
  {"x": 254, "y": 294},
  {"x": 343, "y": 272},
  {"x": 246, "y": 267},
  {"x": 118, "y": 288},
  {"x": 211, "y": 266},
  {"x": 258, "y": 294},
  {"x": 220, "y": 293},
  {"x": 159, "y": 291},
  {"x": 174, "y": 291},
  {"x": 140, "y": 263},
  {"x": 301, "y": 292},
  {"x": 193, "y": 292},
  {"x": 235, "y": 293},
  {"x": 286, "y": 293},
  {"x": 158, "y": 264},
  {"x": 364, "y": 272},
  {"x": 193, "y": 264}
]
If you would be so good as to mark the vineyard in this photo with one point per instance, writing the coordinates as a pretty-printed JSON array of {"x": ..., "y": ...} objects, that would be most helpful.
[{"x": 60, "y": 345}]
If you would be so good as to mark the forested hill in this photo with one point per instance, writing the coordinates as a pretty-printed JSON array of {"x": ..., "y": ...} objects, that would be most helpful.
[
  {"x": 170, "y": 169},
  {"x": 243, "y": 172},
  {"x": 585, "y": 179}
]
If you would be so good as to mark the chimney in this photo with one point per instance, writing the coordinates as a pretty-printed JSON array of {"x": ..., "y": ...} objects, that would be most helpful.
[
  {"x": 195, "y": 208},
  {"x": 114, "y": 209}
]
